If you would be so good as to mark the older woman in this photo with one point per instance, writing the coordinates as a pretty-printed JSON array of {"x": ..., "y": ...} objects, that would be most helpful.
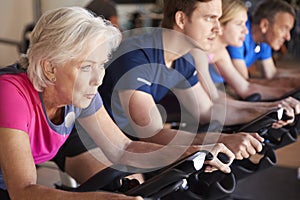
[{"x": 54, "y": 84}]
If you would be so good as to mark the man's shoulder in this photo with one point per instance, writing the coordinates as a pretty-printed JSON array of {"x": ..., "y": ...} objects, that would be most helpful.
[
  {"x": 138, "y": 47},
  {"x": 145, "y": 38}
]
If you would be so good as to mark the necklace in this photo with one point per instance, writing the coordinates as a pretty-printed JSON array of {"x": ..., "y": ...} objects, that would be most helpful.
[{"x": 257, "y": 48}]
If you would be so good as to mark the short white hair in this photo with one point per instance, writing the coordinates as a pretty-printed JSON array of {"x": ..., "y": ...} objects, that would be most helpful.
[{"x": 65, "y": 34}]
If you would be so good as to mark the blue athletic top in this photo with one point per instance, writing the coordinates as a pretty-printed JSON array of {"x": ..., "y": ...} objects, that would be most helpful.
[
  {"x": 245, "y": 52},
  {"x": 139, "y": 64}
]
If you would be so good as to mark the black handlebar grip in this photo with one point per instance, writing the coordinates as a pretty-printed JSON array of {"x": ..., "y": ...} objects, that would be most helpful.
[
  {"x": 221, "y": 156},
  {"x": 286, "y": 117}
]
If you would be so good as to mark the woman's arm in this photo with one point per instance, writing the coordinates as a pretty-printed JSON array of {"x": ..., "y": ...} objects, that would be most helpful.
[
  {"x": 20, "y": 175},
  {"x": 120, "y": 149},
  {"x": 229, "y": 111},
  {"x": 241, "y": 86},
  {"x": 231, "y": 75},
  {"x": 241, "y": 67}
]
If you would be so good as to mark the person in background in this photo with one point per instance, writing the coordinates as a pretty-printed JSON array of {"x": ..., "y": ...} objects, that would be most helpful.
[
  {"x": 146, "y": 67},
  {"x": 135, "y": 20},
  {"x": 55, "y": 85},
  {"x": 222, "y": 70},
  {"x": 269, "y": 27},
  {"x": 105, "y": 8}
]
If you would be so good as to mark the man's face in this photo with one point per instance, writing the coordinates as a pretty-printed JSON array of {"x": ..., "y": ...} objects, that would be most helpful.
[
  {"x": 203, "y": 26},
  {"x": 279, "y": 31}
]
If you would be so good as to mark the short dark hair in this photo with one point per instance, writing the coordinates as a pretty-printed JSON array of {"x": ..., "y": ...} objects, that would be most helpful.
[
  {"x": 172, "y": 6},
  {"x": 269, "y": 8}
]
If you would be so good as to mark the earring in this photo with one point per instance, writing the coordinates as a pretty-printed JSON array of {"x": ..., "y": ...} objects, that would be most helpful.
[{"x": 53, "y": 79}]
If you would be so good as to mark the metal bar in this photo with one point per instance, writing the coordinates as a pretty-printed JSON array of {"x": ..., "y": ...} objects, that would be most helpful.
[
  {"x": 37, "y": 9},
  {"x": 11, "y": 42}
]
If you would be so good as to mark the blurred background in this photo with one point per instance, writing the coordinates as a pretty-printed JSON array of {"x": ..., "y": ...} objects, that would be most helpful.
[{"x": 16, "y": 16}]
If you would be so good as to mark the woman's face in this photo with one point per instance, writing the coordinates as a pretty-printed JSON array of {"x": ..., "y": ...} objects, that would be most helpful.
[
  {"x": 77, "y": 82},
  {"x": 235, "y": 30}
]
